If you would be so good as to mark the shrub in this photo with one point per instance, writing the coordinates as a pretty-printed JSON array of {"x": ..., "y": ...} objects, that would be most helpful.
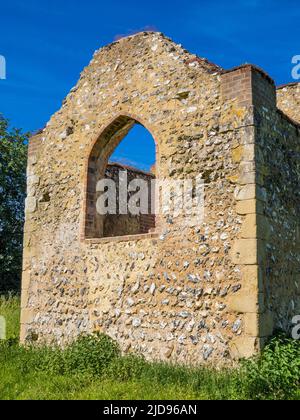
[
  {"x": 277, "y": 371},
  {"x": 90, "y": 354}
]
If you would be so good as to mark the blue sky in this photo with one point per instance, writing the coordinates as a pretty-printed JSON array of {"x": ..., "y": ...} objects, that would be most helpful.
[{"x": 47, "y": 43}]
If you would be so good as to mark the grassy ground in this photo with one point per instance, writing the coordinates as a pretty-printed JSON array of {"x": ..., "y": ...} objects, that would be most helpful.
[
  {"x": 93, "y": 369},
  {"x": 10, "y": 310}
]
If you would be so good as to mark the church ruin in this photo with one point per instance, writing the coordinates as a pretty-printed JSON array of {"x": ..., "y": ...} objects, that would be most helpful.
[{"x": 167, "y": 288}]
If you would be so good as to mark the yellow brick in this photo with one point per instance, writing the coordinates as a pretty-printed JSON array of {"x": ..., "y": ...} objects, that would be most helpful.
[
  {"x": 249, "y": 152},
  {"x": 243, "y": 347},
  {"x": 244, "y": 251},
  {"x": 24, "y": 297},
  {"x": 246, "y": 207},
  {"x": 251, "y": 324},
  {"x": 247, "y": 178},
  {"x": 27, "y": 316},
  {"x": 249, "y": 227},
  {"x": 247, "y": 192},
  {"x": 252, "y": 278},
  {"x": 242, "y": 302}
]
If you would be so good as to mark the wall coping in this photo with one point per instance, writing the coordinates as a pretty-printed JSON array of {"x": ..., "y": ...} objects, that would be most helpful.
[
  {"x": 130, "y": 168},
  {"x": 287, "y": 85}
]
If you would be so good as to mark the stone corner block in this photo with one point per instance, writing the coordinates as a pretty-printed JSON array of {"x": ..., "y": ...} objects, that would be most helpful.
[
  {"x": 30, "y": 205},
  {"x": 246, "y": 207},
  {"x": 251, "y": 324},
  {"x": 243, "y": 302},
  {"x": 247, "y": 192},
  {"x": 244, "y": 251},
  {"x": 243, "y": 347},
  {"x": 27, "y": 316}
]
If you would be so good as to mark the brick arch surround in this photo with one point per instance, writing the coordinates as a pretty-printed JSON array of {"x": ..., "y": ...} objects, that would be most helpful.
[
  {"x": 197, "y": 291},
  {"x": 97, "y": 161}
]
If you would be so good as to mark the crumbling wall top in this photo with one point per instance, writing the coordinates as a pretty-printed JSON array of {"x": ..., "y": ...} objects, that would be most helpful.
[{"x": 288, "y": 100}]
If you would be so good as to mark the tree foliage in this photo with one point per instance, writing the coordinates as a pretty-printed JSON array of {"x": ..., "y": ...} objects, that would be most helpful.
[{"x": 13, "y": 157}]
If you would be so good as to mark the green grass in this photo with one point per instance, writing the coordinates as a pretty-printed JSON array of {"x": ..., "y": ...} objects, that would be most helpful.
[
  {"x": 10, "y": 310},
  {"x": 92, "y": 368}
]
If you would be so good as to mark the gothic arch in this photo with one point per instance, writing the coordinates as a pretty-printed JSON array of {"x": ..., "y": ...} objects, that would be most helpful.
[{"x": 96, "y": 163}]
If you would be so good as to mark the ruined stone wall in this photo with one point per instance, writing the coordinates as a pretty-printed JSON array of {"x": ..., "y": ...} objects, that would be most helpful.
[
  {"x": 272, "y": 205},
  {"x": 248, "y": 90},
  {"x": 188, "y": 292},
  {"x": 278, "y": 167}
]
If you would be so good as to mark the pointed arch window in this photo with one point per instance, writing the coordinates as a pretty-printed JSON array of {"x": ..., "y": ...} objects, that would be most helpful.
[{"x": 120, "y": 190}]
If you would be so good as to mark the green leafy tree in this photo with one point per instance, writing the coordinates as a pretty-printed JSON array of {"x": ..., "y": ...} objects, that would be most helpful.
[{"x": 13, "y": 157}]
